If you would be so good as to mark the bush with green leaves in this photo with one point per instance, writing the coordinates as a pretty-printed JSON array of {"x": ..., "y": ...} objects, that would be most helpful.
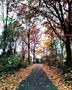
[{"x": 10, "y": 62}]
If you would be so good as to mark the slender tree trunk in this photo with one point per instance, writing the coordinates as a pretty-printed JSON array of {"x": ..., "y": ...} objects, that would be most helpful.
[
  {"x": 4, "y": 40},
  {"x": 3, "y": 51},
  {"x": 34, "y": 54},
  {"x": 9, "y": 52},
  {"x": 23, "y": 52},
  {"x": 28, "y": 47},
  {"x": 15, "y": 48}
]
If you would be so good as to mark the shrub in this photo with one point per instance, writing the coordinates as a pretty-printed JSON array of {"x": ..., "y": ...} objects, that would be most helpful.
[{"x": 12, "y": 62}]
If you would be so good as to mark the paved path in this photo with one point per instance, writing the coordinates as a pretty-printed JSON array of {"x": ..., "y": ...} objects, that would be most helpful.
[{"x": 37, "y": 81}]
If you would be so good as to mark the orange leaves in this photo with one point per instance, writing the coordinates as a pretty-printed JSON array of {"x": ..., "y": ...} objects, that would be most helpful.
[
  {"x": 46, "y": 43},
  {"x": 29, "y": 1},
  {"x": 48, "y": 32},
  {"x": 12, "y": 80},
  {"x": 56, "y": 77},
  {"x": 40, "y": 51}
]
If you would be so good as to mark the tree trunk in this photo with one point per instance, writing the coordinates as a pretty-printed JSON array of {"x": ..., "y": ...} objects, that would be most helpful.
[
  {"x": 68, "y": 51},
  {"x": 68, "y": 47},
  {"x": 4, "y": 40},
  {"x": 34, "y": 54},
  {"x": 23, "y": 52},
  {"x": 15, "y": 48},
  {"x": 3, "y": 51},
  {"x": 28, "y": 48},
  {"x": 9, "y": 52}
]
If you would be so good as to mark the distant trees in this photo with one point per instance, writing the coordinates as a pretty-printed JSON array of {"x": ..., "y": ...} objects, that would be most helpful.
[
  {"x": 34, "y": 40},
  {"x": 29, "y": 21},
  {"x": 55, "y": 45},
  {"x": 9, "y": 34},
  {"x": 59, "y": 17},
  {"x": 58, "y": 14}
]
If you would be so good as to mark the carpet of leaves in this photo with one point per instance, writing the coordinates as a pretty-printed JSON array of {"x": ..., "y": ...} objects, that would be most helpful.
[
  {"x": 11, "y": 81},
  {"x": 55, "y": 75}
]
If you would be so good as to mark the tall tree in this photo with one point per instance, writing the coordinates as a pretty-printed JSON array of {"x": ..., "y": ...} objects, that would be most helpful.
[{"x": 61, "y": 15}]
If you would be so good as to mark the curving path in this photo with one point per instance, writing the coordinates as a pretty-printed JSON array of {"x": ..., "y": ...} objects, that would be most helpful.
[{"x": 36, "y": 81}]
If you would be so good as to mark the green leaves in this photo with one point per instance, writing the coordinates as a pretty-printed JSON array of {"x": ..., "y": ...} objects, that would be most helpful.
[
  {"x": 12, "y": 59},
  {"x": 8, "y": 19}
]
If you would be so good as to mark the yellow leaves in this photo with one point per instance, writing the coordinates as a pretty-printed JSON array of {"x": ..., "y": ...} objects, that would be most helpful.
[
  {"x": 12, "y": 80},
  {"x": 29, "y": 1},
  {"x": 40, "y": 51},
  {"x": 46, "y": 43},
  {"x": 23, "y": 34},
  {"x": 49, "y": 31},
  {"x": 46, "y": 32},
  {"x": 56, "y": 77}
]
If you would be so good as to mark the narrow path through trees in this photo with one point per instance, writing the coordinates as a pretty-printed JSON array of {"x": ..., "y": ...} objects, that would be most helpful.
[{"x": 37, "y": 81}]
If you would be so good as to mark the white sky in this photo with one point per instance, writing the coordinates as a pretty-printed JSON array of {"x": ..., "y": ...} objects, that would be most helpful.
[{"x": 39, "y": 26}]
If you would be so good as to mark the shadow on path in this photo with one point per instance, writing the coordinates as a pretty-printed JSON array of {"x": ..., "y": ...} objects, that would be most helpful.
[{"x": 36, "y": 81}]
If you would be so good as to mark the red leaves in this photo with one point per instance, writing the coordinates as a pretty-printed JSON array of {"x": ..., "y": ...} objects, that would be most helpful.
[
  {"x": 22, "y": 8},
  {"x": 33, "y": 30},
  {"x": 33, "y": 34}
]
